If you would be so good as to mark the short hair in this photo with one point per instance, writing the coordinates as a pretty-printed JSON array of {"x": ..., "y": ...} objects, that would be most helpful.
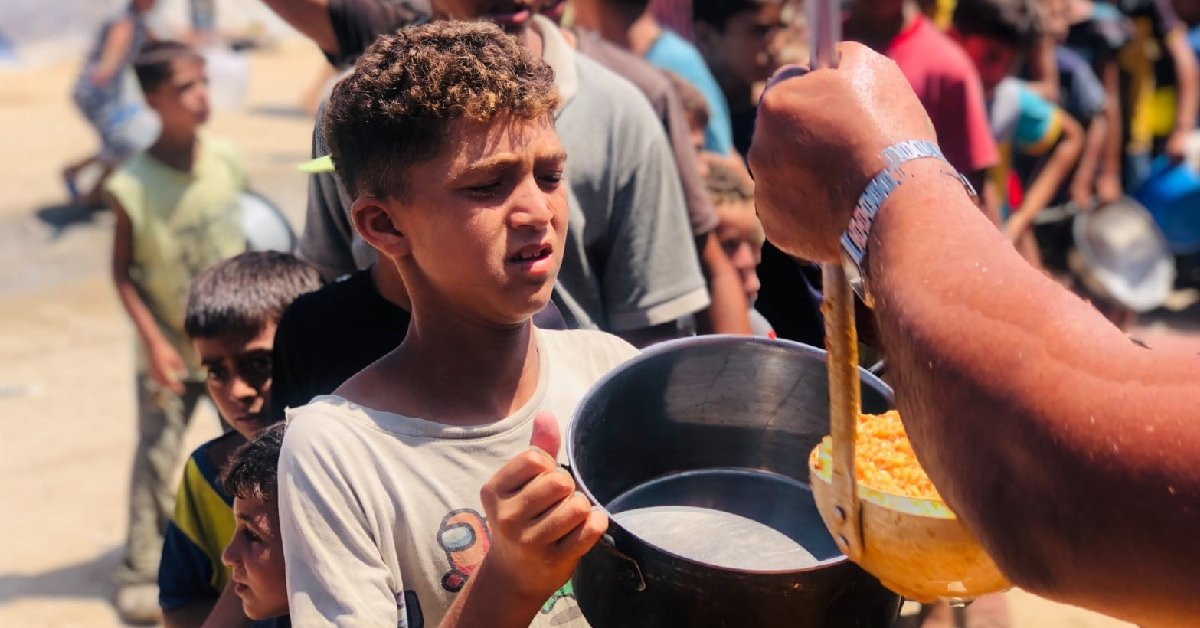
[
  {"x": 716, "y": 13},
  {"x": 394, "y": 109},
  {"x": 239, "y": 296},
  {"x": 152, "y": 65},
  {"x": 693, "y": 101},
  {"x": 252, "y": 470},
  {"x": 1017, "y": 23},
  {"x": 726, "y": 185}
]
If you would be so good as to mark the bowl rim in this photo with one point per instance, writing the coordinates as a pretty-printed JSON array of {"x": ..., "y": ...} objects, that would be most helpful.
[{"x": 653, "y": 352}]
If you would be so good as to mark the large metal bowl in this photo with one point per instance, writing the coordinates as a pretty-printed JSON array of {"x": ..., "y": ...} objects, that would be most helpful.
[{"x": 724, "y": 423}]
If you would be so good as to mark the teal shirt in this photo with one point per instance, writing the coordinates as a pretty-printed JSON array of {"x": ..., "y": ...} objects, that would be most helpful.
[{"x": 674, "y": 53}]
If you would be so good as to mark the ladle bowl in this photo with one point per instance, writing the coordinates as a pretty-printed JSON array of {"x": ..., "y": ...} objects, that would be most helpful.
[{"x": 916, "y": 547}]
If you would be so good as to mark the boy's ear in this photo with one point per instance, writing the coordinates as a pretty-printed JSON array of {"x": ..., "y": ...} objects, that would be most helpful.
[{"x": 378, "y": 228}]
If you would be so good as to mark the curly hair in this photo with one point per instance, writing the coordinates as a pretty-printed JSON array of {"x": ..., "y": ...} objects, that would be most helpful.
[
  {"x": 394, "y": 109},
  {"x": 1017, "y": 23}
]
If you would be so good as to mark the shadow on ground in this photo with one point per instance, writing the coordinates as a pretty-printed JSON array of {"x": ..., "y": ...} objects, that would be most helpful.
[
  {"x": 63, "y": 216},
  {"x": 89, "y": 579}
]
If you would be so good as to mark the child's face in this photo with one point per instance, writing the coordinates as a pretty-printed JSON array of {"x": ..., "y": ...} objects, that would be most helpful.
[
  {"x": 1055, "y": 18},
  {"x": 993, "y": 59},
  {"x": 182, "y": 101},
  {"x": 143, "y": 6},
  {"x": 483, "y": 224},
  {"x": 510, "y": 15},
  {"x": 740, "y": 236},
  {"x": 745, "y": 47},
  {"x": 239, "y": 377},
  {"x": 255, "y": 555}
]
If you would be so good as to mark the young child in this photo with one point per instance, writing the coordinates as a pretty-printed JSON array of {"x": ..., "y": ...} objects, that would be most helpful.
[
  {"x": 738, "y": 229},
  {"x": 175, "y": 210},
  {"x": 254, "y": 555},
  {"x": 444, "y": 136},
  {"x": 232, "y": 311},
  {"x": 106, "y": 94},
  {"x": 997, "y": 35}
]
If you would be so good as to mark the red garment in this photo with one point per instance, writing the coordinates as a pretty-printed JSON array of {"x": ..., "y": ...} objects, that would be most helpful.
[{"x": 946, "y": 82}]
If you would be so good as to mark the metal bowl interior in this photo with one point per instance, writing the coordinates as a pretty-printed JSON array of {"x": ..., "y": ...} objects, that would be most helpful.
[{"x": 740, "y": 413}]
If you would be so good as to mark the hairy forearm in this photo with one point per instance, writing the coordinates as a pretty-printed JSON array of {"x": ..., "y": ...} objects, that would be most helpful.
[
  {"x": 728, "y": 313},
  {"x": 311, "y": 18},
  {"x": 1054, "y": 438}
]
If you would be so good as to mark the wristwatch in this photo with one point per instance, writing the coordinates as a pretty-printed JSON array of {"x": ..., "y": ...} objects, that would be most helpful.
[{"x": 854, "y": 240}]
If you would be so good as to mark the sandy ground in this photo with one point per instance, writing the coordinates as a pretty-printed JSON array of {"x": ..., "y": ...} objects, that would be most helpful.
[{"x": 66, "y": 387}]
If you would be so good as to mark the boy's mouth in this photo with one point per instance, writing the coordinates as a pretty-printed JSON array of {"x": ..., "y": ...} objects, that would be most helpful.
[{"x": 531, "y": 254}]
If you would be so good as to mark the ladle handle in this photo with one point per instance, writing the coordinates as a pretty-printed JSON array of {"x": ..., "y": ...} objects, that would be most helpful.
[{"x": 841, "y": 341}]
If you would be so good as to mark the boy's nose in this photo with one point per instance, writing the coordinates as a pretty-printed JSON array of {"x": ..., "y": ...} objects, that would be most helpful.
[
  {"x": 241, "y": 389},
  {"x": 229, "y": 554},
  {"x": 531, "y": 206}
]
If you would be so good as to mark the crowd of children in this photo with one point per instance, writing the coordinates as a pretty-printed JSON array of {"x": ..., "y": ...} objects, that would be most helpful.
[{"x": 518, "y": 201}]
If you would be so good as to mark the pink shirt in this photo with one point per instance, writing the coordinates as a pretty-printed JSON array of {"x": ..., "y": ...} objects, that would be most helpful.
[{"x": 946, "y": 82}]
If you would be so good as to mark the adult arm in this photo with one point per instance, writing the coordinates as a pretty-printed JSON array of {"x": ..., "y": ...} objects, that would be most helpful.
[
  {"x": 1187, "y": 83},
  {"x": 335, "y": 572},
  {"x": 1067, "y": 449},
  {"x": 166, "y": 365},
  {"x": 311, "y": 18},
  {"x": 114, "y": 50}
]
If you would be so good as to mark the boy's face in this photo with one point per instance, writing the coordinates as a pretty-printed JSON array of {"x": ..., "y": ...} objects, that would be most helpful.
[
  {"x": 239, "y": 377},
  {"x": 483, "y": 224},
  {"x": 182, "y": 101},
  {"x": 1055, "y": 18},
  {"x": 745, "y": 47},
  {"x": 510, "y": 15},
  {"x": 739, "y": 233},
  {"x": 255, "y": 556},
  {"x": 993, "y": 59}
]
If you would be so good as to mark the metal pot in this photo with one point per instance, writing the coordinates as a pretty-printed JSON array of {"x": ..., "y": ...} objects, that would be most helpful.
[{"x": 697, "y": 449}]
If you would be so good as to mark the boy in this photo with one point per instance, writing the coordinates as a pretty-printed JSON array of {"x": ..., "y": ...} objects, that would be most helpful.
[
  {"x": 631, "y": 25},
  {"x": 106, "y": 95},
  {"x": 232, "y": 311},
  {"x": 943, "y": 77},
  {"x": 738, "y": 41},
  {"x": 997, "y": 35},
  {"x": 457, "y": 181},
  {"x": 254, "y": 555},
  {"x": 175, "y": 209}
]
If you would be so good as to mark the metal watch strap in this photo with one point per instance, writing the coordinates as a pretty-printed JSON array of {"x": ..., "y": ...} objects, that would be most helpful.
[{"x": 855, "y": 238}]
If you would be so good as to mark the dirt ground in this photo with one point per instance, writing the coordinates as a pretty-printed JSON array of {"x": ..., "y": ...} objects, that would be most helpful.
[{"x": 66, "y": 357}]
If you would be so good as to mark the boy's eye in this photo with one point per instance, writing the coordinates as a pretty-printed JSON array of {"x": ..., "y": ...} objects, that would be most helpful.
[
  {"x": 216, "y": 373},
  {"x": 250, "y": 536},
  {"x": 486, "y": 189},
  {"x": 552, "y": 179}
]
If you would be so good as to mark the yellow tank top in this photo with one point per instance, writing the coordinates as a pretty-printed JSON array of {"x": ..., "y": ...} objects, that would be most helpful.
[{"x": 183, "y": 222}]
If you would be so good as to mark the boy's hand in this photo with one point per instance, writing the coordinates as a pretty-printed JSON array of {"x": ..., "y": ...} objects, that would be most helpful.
[
  {"x": 1108, "y": 189},
  {"x": 166, "y": 367},
  {"x": 100, "y": 76},
  {"x": 540, "y": 526},
  {"x": 1176, "y": 148}
]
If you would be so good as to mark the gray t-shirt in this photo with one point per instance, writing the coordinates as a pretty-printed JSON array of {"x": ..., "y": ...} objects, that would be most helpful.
[
  {"x": 630, "y": 261},
  {"x": 666, "y": 103}
]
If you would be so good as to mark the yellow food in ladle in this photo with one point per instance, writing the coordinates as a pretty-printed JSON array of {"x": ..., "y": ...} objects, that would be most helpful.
[{"x": 883, "y": 458}]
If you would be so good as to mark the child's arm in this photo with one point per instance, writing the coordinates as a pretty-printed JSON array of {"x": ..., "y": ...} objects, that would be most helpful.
[
  {"x": 1051, "y": 176},
  {"x": 115, "y": 49},
  {"x": 1187, "y": 84},
  {"x": 1094, "y": 145},
  {"x": 1108, "y": 184},
  {"x": 540, "y": 528},
  {"x": 166, "y": 366}
]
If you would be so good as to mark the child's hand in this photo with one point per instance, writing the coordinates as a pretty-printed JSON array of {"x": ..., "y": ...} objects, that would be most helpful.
[
  {"x": 1108, "y": 189},
  {"x": 100, "y": 76},
  {"x": 540, "y": 526},
  {"x": 1176, "y": 148},
  {"x": 166, "y": 367}
]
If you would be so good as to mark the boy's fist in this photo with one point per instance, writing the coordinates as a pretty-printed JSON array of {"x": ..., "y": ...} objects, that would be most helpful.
[{"x": 540, "y": 526}]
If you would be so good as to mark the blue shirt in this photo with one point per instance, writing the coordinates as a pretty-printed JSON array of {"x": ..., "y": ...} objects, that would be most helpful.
[{"x": 672, "y": 52}]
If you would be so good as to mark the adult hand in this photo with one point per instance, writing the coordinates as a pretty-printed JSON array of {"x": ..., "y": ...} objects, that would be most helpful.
[
  {"x": 166, "y": 367},
  {"x": 819, "y": 140},
  {"x": 540, "y": 526}
]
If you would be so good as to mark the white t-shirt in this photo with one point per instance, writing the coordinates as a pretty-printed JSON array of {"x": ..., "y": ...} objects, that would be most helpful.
[{"x": 380, "y": 513}]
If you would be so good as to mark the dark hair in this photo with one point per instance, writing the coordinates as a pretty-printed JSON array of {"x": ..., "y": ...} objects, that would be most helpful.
[
  {"x": 726, "y": 184},
  {"x": 716, "y": 13},
  {"x": 237, "y": 297},
  {"x": 152, "y": 65},
  {"x": 394, "y": 109},
  {"x": 1017, "y": 23},
  {"x": 693, "y": 101},
  {"x": 252, "y": 469}
]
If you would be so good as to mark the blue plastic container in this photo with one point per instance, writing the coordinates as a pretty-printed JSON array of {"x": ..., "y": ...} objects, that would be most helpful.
[{"x": 1172, "y": 194}]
